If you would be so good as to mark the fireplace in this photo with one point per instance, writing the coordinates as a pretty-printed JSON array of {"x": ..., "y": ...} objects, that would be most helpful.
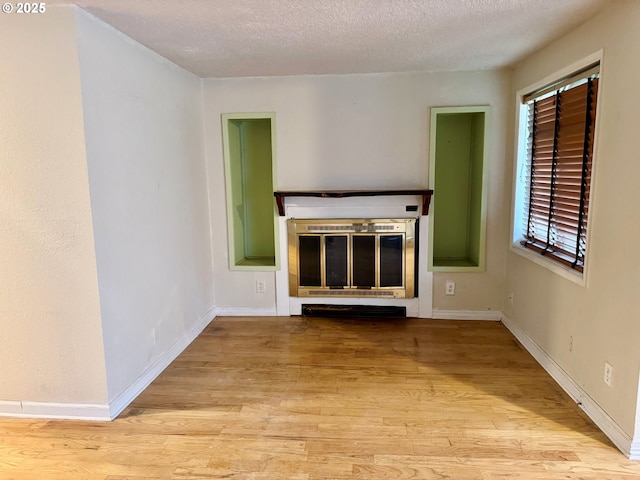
[{"x": 352, "y": 258}]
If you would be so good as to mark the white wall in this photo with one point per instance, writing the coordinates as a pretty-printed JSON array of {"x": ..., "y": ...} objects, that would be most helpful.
[
  {"x": 145, "y": 154},
  {"x": 602, "y": 317},
  {"x": 358, "y": 131},
  {"x": 51, "y": 341}
]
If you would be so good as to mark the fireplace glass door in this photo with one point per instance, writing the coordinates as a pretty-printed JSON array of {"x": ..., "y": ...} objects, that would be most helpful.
[
  {"x": 336, "y": 269},
  {"x": 364, "y": 261},
  {"x": 391, "y": 260},
  {"x": 310, "y": 260},
  {"x": 352, "y": 257}
]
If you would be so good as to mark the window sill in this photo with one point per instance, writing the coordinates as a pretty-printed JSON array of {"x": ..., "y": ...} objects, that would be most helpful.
[{"x": 551, "y": 265}]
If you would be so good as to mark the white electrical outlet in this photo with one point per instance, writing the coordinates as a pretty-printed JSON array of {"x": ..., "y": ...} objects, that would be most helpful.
[
  {"x": 511, "y": 298},
  {"x": 571, "y": 346},
  {"x": 608, "y": 373},
  {"x": 450, "y": 288},
  {"x": 259, "y": 286}
]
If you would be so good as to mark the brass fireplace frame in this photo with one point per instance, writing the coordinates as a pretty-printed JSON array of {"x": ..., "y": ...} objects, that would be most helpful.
[{"x": 406, "y": 227}]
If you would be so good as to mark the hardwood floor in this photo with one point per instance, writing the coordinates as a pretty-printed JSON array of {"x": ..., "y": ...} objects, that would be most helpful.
[{"x": 315, "y": 398}]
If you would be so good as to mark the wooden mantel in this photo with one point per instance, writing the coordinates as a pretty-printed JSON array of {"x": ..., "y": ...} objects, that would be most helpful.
[{"x": 280, "y": 196}]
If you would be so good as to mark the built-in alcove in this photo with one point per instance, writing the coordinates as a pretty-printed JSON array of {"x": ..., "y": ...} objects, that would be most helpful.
[
  {"x": 249, "y": 146},
  {"x": 457, "y": 226}
]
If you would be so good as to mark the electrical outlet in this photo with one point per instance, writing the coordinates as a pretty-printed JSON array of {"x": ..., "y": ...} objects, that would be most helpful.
[
  {"x": 511, "y": 298},
  {"x": 608, "y": 373},
  {"x": 259, "y": 286},
  {"x": 450, "y": 288},
  {"x": 571, "y": 343}
]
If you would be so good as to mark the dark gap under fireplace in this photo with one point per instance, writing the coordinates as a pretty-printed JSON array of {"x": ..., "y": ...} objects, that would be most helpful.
[{"x": 353, "y": 311}]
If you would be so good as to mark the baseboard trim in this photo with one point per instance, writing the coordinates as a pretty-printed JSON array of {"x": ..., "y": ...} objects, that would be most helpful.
[
  {"x": 66, "y": 411},
  {"x": 245, "y": 312},
  {"x": 490, "y": 315},
  {"x": 608, "y": 426},
  {"x": 10, "y": 408},
  {"x": 156, "y": 368},
  {"x": 634, "y": 451}
]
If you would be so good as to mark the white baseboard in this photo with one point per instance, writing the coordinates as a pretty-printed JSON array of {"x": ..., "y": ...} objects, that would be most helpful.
[
  {"x": 608, "y": 426},
  {"x": 490, "y": 315},
  {"x": 10, "y": 408},
  {"x": 245, "y": 312},
  {"x": 117, "y": 405},
  {"x": 71, "y": 411},
  {"x": 634, "y": 451}
]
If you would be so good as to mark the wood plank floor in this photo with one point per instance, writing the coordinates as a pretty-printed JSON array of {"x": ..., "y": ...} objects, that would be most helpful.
[{"x": 315, "y": 398}]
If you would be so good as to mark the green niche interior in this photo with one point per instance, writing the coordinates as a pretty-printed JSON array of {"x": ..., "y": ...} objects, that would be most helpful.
[
  {"x": 458, "y": 215},
  {"x": 250, "y": 201}
]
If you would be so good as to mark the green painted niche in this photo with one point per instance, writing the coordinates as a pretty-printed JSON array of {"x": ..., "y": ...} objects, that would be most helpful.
[
  {"x": 457, "y": 176},
  {"x": 249, "y": 172}
]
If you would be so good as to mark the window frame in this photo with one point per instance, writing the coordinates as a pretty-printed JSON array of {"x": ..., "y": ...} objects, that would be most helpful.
[{"x": 519, "y": 200}]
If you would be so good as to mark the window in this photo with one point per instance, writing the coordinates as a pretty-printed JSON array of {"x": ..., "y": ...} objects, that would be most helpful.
[{"x": 557, "y": 149}]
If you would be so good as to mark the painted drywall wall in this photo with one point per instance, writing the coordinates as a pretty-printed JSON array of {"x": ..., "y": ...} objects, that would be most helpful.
[
  {"x": 475, "y": 193},
  {"x": 602, "y": 317},
  {"x": 258, "y": 183},
  {"x": 234, "y": 131},
  {"x": 452, "y": 180},
  {"x": 144, "y": 142},
  {"x": 51, "y": 349},
  {"x": 358, "y": 131}
]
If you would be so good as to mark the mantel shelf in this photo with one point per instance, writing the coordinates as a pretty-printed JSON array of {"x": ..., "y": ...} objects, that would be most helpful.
[{"x": 280, "y": 196}]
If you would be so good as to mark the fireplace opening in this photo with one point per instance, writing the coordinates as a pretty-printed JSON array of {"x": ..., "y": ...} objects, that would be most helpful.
[{"x": 352, "y": 257}]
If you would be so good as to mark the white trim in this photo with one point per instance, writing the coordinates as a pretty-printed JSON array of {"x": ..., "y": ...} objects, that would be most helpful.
[
  {"x": 10, "y": 408},
  {"x": 608, "y": 426},
  {"x": 282, "y": 274},
  {"x": 568, "y": 70},
  {"x": 491, "y": 315},
  {"x": 635, "y": 444},
  {"x": 118, "y": 404},
  {"x": 634, "y": 451},
  {"x": 245, "y": 312},
  {"x": 425, "y": 277},
  {"x": 70, "y": 411}
]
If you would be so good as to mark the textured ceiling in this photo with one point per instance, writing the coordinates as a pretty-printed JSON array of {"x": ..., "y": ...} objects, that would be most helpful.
[{"x": 232, "y": 38}]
